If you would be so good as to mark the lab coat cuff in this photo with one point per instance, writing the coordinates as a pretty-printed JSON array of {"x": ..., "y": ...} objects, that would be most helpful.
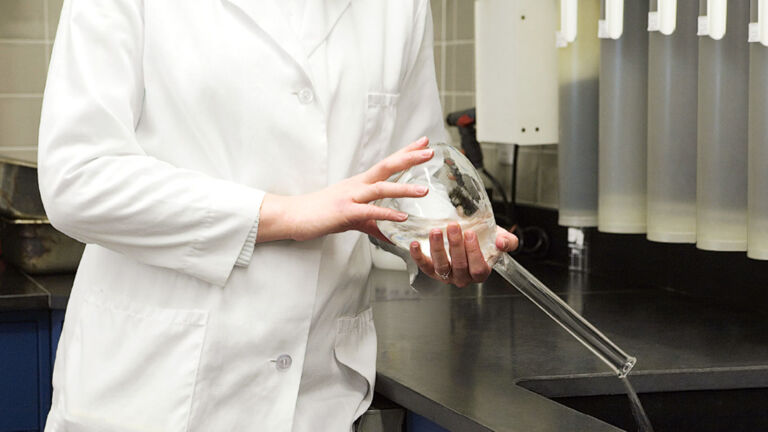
[
  {"x": 250, "y": 242},
  {"x": 232, "y": 210}
]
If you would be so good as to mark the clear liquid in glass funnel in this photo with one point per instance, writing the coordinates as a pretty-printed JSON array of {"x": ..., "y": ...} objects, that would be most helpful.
[{"x": 456, "y": 195}]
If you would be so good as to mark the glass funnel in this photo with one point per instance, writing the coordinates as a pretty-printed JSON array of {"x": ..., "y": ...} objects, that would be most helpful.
[{"x": 456, "y": 194}]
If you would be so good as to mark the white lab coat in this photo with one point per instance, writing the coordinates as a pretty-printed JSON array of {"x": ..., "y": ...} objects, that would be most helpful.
[{"x": 163, "y": 124}]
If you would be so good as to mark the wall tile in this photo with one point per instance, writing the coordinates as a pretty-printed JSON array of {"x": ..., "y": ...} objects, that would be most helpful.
[
  {"x": 527, "y": 175},
  {"x": 489, "y": 162},
  {"x": 489, "y": 157},
  {"x": 21, "y": 19},
  {"x": 463, "y": 102},
  {"x": 548, "y": 190},
  {"x": 438, "y": 66},
  {"x": 450, "y": 67},
  {"x": 54, "y": 11},
  {"x": 465, "y": 68},
  {"x": 24, "y": 154},
  {"x": 19, "y": 121},
  {"x": 465, "y": 19},
  {"x": 449, "y": 107},
  {"x": 443, "y": 104},
  {"x": 23, "y": 67},
  {"x": 450, "y": 16},
  {"x": 460, "y": 68},
  {"x": 437, "y": 18},
  {"x": 447, "y": 103}
]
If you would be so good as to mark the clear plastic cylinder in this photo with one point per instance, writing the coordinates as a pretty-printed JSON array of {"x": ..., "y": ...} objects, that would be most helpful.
[
  {"x": 672, "y": 95},
  {"x": 721, "y": 218},
  {"x": 623, "y": 109},
  {"x": 757, "y": 244},
  {"x": 579, "y": 65}
]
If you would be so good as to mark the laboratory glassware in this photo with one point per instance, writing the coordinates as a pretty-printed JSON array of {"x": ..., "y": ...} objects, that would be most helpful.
[
  {"x": 578, "y": 64},
  {"x": 672, "y": 94},
  {"x": 456, "y": 194},
  {"x": 757, "y": 241},
  {"x": 721, "y": 197},
  {"x": 622, "y": 117}
]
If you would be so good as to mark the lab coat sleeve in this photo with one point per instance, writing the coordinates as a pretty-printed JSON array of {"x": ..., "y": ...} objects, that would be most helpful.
[
  {"x": 419, "y": 112},
  {"x": 96, "y": 182}
]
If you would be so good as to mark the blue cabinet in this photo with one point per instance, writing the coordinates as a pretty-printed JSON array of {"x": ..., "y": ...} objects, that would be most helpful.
[
  {"x": 25, "y": 370},
  {"x": 57, "y": 324},
  {"x": 417, "y": 423},
  {"x": 28, "y": 341}
]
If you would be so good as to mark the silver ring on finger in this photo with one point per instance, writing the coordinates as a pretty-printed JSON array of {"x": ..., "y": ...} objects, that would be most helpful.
[{"x": 444, "y": 276}]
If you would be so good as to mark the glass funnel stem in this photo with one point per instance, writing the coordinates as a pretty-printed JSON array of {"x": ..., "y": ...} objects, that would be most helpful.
[{"x": 558, "y": 310}]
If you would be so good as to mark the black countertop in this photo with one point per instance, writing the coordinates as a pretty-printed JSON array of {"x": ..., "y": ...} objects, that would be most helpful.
[
  {"x": 19, "y": 291},
  {"x": 484, "y": 358},
  {"x": 478, "y": 359}
]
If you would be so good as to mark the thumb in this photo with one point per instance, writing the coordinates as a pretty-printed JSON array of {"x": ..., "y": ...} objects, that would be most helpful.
[{"x": 369, "y": 227}]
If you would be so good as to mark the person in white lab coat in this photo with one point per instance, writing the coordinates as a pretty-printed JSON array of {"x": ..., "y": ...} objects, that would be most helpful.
[{"x": 219, "y": 157}]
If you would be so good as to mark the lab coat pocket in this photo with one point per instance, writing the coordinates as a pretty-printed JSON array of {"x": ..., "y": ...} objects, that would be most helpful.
[
  {"x": 132, "y": 367},
  {"x": 355, "y": 348},
  {"x": 380, "y": 116}
]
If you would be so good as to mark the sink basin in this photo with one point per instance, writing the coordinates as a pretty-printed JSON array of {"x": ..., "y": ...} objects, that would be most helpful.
[{"x": 699, "y": 410}]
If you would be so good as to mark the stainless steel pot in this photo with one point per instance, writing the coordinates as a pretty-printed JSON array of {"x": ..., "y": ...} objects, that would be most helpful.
[
  {"x": 36, "y": 247},
  {"x": 19, "y": 193}
]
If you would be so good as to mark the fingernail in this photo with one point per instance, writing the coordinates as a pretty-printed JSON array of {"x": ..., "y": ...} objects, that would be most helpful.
[
  {"x": 505, "y": 244},
  {"x": 402, "y": 216},
  {"x": 423, "y": 140},
  {"x": 426, "y": 153},
  {"x": 470, "y": 235},
  {"x": 436, "y": 234},
  {"x": 421, "y": 189},
  {"x": 415, "y": 246},
  {"x": 453, "y": 229}
]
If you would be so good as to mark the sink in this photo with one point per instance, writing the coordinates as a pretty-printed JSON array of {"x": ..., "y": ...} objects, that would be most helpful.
[{"x": 742, "y": 410}]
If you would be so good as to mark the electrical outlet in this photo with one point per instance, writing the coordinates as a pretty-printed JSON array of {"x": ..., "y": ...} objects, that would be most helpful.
[{"x": 505, "y": 154}]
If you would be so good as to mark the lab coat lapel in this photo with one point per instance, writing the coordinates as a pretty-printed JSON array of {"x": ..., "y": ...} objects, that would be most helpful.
[
  {"x": 272, "y": 21},
  {"x": 320, "y": 17}
]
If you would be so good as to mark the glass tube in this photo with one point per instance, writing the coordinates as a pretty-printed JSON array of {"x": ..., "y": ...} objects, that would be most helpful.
[{"x": 558, "y": 310}]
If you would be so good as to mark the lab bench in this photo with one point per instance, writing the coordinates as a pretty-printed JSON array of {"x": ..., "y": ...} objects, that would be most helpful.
[
  {"x": 484, "y": 358},
  {"x": 481, "y": 358}
]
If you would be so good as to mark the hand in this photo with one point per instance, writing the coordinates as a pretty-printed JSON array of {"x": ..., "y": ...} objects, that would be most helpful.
[
  {"x": 345, "y": 205},
  {"x": 467, "y": 264}
]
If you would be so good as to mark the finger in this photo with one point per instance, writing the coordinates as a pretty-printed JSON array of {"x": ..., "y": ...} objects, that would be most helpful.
[
  {"x": 459, "y": 263},
  {"x": 416, "y": 145},
  {"x": 369, "y": 227},
  {"x": 437, "y": 250},
  {"x": 395, "y": 163},
  {"x": 478, "y": 267},
  {"x": 421, "y": 260},
  {"x": 505, "y": 240},
  {"x": 385, "y": 189},
  {"x": 364, "y": 212}
]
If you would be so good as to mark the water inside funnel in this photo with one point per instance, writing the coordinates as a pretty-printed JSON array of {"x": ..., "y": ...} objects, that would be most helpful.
[{"x": 456, "y": 195}]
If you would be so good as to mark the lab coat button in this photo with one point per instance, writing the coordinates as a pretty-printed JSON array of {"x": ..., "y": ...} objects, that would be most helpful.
[
  {"x": 306, "y": 96},
  {"x": 283, "y": 362}
]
